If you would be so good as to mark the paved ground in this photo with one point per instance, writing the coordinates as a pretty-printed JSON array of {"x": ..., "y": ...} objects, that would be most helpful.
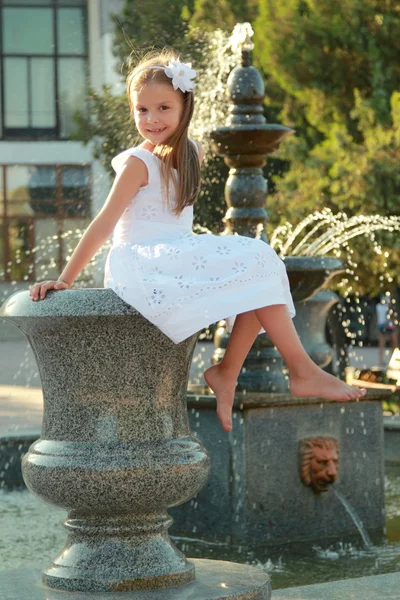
[
  {"x": 378, "y": 587},
  {"x": 21, "y": 395}
]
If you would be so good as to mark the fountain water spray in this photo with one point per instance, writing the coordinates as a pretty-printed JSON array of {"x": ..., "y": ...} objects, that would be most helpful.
[
  {"x": 307, "y": 239},
  {"x": 355, "y": 518}
]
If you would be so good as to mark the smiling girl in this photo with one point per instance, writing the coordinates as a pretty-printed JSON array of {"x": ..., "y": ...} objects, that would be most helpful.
[{"x": 180, "y": 281}]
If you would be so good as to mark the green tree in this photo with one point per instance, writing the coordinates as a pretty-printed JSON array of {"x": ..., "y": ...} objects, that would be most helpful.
[
  {"x": 109, "y": 127},
  {"x": 222, "y": 14},
  {"x": 244, "y": 10},
  {"x": 319, "y": 52},
  {"x": 358, "y": 179},
  {"x": 211, "y": 14},
  {"x": 151, "y": 23},
  {"x": 333, "y": 74}
]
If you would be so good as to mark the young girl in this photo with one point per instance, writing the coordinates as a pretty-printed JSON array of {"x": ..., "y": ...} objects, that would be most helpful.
[{"x": 180, "y": 281}]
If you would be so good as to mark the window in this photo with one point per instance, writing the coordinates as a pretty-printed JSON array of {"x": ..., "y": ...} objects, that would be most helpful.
[
  {"x": 41, "y": 207},
  {"x": 43, "y": 70}
]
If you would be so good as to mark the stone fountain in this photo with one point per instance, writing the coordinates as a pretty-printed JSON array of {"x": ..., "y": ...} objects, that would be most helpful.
[
  {"x": 116, "y": 450},
  {"x": 256, "y": 493}
]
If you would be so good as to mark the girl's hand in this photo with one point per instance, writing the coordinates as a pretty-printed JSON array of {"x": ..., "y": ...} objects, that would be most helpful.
[{"x": 39, "y": 290}]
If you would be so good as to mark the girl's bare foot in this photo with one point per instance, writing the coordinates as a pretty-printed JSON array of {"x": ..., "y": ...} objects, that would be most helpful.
[
  {"x": 223, "y": 384},
  {"x": 322, "y": 385}
]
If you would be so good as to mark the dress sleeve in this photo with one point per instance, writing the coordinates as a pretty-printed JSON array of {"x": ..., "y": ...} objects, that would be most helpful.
[{"x": 144, "y": 156}]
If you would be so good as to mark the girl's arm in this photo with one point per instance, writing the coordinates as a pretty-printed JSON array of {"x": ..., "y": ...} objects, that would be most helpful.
[
  {"x": 131, "y": 176},
  {"x": 126, "y": 185}
]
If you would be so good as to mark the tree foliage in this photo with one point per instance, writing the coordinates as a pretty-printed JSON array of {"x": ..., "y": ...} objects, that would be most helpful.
[
  {"x": 222, "y": 14},
  {"x": 151, "y": 23},
  {"x": 210, "y": 14},
  {"x": 109, "y": 127},
  {"x": 320, "y": 52},
  {"x": 333, "y": 71}
]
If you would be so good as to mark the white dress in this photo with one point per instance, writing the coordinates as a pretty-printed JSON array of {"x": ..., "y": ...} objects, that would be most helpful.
[{"x": 180, "y": 281}]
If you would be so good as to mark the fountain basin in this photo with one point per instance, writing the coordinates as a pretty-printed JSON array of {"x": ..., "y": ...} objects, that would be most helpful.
[
  {"x": 25, "y": 525},
  {"x": 216, "y": 580},
  {"x": 244, "y": 141},
  {"x": 307, "y": 275}
]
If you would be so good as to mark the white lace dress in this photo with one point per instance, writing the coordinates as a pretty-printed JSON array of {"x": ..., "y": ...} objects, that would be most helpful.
[{"x": 181, "y": 281}]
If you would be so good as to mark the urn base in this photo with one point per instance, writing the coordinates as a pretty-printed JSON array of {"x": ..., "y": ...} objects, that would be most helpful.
[
  {"x": 215, "y": 580},
  {"x": 118, "y": 555}
]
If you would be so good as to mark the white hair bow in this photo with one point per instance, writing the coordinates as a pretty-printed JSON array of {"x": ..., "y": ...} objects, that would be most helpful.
[{"x": 180, "y": 73}]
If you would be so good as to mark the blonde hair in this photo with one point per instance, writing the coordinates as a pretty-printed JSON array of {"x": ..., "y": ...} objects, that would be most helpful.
[{"x": 178, "y": 151}]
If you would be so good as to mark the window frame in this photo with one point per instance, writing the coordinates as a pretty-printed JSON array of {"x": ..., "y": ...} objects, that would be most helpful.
[
  {"x": 41, "y": 133},
  {"x": 60, "y": 217}
]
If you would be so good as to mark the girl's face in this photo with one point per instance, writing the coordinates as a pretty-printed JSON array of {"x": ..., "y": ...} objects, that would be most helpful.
[{"x": 157, "y": 111}]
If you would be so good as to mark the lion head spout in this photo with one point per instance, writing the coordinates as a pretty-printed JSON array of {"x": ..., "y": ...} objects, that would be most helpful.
[{"x": 319, "y": 458}]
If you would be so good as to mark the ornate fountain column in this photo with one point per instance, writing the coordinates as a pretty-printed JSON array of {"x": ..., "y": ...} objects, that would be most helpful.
[
  {"x": 245, "y": 142},
  {"x": 116, "y": 449}
]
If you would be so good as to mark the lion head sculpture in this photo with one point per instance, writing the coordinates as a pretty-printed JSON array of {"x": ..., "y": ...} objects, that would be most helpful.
[{"x": 319, "y": 458}]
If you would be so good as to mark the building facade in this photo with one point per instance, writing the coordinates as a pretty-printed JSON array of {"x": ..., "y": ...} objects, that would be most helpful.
[{"x": 50, "y": 186}]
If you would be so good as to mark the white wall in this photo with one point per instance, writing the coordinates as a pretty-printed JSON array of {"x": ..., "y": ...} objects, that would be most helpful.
[{"x": 39, "y": 153}]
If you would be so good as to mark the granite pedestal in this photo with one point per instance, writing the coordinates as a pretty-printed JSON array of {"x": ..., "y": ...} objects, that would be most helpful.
[
  {"x": 116, "y": 449},
  {"x": 215, "y": 580}
]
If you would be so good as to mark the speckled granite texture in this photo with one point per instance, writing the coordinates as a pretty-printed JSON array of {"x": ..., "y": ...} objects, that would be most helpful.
[
  {"x": 115, "y": 449},
  {"x": 215, "y": 580}
]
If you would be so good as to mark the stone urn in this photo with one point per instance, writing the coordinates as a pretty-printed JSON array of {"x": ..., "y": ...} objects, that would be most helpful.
[
  {"x": 115, "y": 449},
  {"x": 309, "y": 274}
]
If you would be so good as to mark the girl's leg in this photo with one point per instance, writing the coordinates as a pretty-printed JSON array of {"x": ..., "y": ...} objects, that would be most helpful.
[
  {"x": 222, "y": 378},
  {"x": 306, "y": 378}
]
